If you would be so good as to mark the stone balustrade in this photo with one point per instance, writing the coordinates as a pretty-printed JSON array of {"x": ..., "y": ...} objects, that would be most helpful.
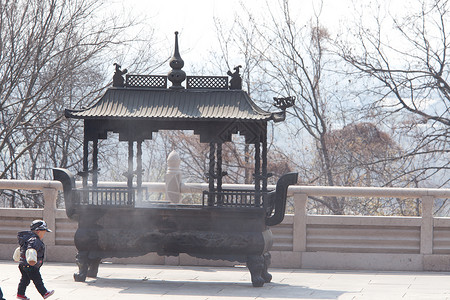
[{"x": 301, "y": 240}]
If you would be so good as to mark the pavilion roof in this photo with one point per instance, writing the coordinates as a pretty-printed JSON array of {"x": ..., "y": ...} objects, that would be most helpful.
[{"x": 167, "y": 104}]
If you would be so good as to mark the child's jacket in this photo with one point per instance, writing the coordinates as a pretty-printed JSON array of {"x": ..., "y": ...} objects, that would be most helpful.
[{"x": 28, "y": 240}]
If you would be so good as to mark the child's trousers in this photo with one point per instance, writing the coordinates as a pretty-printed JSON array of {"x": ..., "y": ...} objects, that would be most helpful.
[{"x": 30, "y": 273}]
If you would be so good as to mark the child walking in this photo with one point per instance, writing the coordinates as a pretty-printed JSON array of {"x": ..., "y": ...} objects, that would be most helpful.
[{"x": 32, "y": 251}]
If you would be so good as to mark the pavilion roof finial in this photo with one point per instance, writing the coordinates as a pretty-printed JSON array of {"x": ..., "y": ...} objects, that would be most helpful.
[{"x": 176, "y": 75}]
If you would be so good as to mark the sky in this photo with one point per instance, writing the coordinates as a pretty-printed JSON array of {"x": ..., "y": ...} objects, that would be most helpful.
[{"x": 194, "y": 19}]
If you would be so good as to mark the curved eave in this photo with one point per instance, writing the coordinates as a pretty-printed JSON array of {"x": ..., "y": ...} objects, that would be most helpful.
[
  {"x": 68, "y": 114},
  {"x": 189, "y": 105}
]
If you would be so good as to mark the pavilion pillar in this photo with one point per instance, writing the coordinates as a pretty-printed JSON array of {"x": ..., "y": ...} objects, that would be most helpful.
[
  {"x": 264, "y": 165},
  {"x": 130, "y": 199},
  {"x": 257, "y": 174},
  {"x": 219, "y": 173},
  {"x": 85, "y": 161},
  {"x": 139, "y": 170},
  {"x": 211, "y": 175},
  {"x": 95, "y": 163},
  {"x": 85, "y": 173}
]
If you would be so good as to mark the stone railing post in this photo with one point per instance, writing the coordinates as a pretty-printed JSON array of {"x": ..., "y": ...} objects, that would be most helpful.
[
  {"x": 426, "y": 229},
  {"x": 173, "y": 178},
  {"x": 299, "y": 226},
  {"x": 49, "y": 216}
]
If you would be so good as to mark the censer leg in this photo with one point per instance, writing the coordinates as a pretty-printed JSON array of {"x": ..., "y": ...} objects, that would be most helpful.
[
  {"x": 93, "y": 267},
  {"x": 83, "y": 265},
  {"x": 265, "y": 274},
  {"x": 255, "y": 264}
]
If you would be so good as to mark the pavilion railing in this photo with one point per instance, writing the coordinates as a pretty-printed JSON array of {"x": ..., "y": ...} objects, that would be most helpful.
[
  {"x": 233, "y": 198},
  {"x": 107, "y": 196},
  {"x": 126, "y": 197},
  {"x": 192, "y": 82},
  {"x": 207, "y": 82},
  {"x": 146, "y": 81}
]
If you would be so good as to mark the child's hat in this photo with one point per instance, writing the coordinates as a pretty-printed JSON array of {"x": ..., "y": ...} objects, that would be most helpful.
[{"x": 39, "y": 225}]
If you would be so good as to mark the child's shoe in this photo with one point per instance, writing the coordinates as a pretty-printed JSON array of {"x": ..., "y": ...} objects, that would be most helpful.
[
  {"x": 48, "y": 294},
  {"x": 22, "y": 297}
]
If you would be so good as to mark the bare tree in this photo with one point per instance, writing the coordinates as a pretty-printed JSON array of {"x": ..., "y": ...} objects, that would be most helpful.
[
  {"x": 296, "y": 58},
  {"x": 362, "y": 155},
  {"x": 356, "y": 151},
  {"x": 51, "y": 57},
  {"x": 290, "y": 60},
  {"x": 405, "y": 60}
]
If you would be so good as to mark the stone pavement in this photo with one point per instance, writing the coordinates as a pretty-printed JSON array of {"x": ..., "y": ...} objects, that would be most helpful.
[{"x": 173, "y": 282}]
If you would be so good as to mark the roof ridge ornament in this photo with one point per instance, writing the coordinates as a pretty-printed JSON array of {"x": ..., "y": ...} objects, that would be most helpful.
[
  {"x": 118, "y": 80},
  {"x": 236, "y": 80},
  {"x": 282, "y": 103},
  {"x": 176, "y": 75}
]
